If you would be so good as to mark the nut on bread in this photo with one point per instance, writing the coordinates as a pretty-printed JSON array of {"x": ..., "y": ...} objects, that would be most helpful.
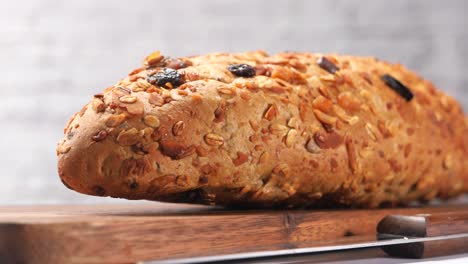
[{"x": 249, "y": 129}]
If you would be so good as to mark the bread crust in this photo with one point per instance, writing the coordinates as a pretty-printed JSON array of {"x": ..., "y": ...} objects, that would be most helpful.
[{"x": 297, "y": 134}]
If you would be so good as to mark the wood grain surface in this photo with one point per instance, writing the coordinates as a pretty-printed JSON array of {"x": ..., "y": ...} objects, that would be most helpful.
[{"x": 128, "y": 233}]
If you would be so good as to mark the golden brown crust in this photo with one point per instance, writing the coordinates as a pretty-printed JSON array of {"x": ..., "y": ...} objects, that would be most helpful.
[{"x": 295, "y": 134}]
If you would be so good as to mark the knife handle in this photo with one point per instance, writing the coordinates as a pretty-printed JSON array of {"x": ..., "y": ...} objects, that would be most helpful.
[{"x": 425, "y": 226}]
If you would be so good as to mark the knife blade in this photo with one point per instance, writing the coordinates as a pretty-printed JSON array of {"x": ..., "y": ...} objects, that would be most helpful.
[
  {"x": 296, "y": 251},
  {"x": 414, "y": 236}
]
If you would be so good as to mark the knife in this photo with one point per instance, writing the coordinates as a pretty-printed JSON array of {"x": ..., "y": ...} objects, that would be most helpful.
[{"x": 406, "y": 236}]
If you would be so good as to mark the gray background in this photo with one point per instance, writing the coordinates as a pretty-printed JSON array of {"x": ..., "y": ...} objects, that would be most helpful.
[{"x": 55, "y": 54}]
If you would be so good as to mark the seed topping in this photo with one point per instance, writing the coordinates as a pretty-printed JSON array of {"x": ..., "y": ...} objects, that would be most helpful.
[
  {"x": 240, "y": 159},
  {"x": 328, "y": 140},
  {"x": 214, "y": 139},
  {"x": 115, "y": 120},
  {"x": 128, "y": 99},
  {"x": 176, "y": 64},
  {"x": 101, "y": 135},
  {"x": 352, "y": 159},
  {"x": 312, "y": 147},
  {"x": 128, "y": 137},
  {"x": 271, "y": 112},
  {"x": 153, "y": 59},
  {"x": 151, "y": 120},
  {"x": 175, "y": 150},
  {"x": 291, "y": 137},
  {"x": 178, "y": 128}
]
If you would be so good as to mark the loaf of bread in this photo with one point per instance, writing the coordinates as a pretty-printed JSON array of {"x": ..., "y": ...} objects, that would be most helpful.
[{"x": 253, "y": 130}]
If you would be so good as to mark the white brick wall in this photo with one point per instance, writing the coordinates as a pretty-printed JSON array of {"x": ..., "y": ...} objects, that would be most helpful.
[{"x": 55, "y": 54}]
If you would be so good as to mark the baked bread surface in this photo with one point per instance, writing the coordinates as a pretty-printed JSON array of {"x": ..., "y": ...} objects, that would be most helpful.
[{"x": 249, "y": 129}]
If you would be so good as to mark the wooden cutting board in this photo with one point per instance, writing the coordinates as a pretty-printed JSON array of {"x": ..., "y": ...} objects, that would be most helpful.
[{"x": 134, "y": 232}]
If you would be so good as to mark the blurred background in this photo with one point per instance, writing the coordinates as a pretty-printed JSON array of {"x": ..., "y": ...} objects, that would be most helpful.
[{"x": 54, "y": 55}]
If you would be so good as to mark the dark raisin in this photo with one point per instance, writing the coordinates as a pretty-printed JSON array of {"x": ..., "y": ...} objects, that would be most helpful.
[
  {"x": 99, "y": 191},
  {"x": 133, "y": 185},
  {"x": 327, "y": 65},
  {"x": 70, "y": 135},
  {"x": 164, "y": 76},
  {"x": 203, "y": 179},
  {"x": 242, "y": 70},
  {"x": 397, "y": 86}
]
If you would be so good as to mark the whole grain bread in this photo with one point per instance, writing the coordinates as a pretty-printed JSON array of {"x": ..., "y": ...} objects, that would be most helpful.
[{"x": 249, "y": 129}]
